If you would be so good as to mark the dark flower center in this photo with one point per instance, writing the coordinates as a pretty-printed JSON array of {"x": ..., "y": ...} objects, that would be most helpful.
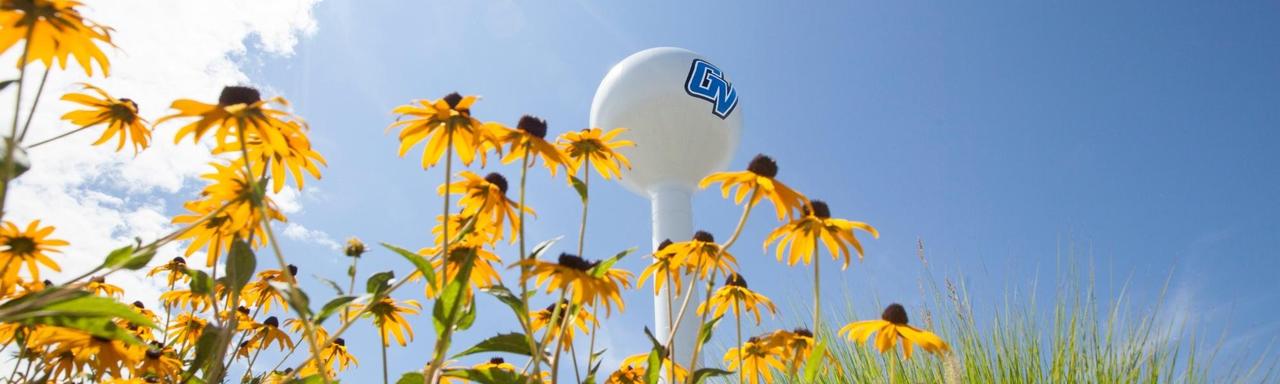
[
  {"x": 153, "y": 354},
  {"x": 243, "y": 310},
  {"x": 895, "y": 313},
  {"x": 98, "y": 279},
  {"x": 47, "y": 283},
  {"x": 139, "y": 305},
  {"x": 763, "y": 165},
  {"x": 272, "y": 322},
  {"x": 452, "y": 99},
  {"x": 803, "y": 332},
  {"x": 735, "y": 280},
  {"x": 704, "y": 236},
  {"x": 819, "y": 209},
  {"x": 753, "y": 340},
  {"x": 664, "y": 244},
  {"x": 340, "y": 341},
  {"x": 497, "y": 180},
  {"x": 576, "y": 262},
  {"x": 22, "y": 245},
  {"x": 533, "y": 125},
  {"x": 179, "y": 260},
  {"x": 100, "y": 339},
  {"x": 235, "y": 94},
  {"x": 496, "y": 361},
  {"x": 293, "y": 270}
]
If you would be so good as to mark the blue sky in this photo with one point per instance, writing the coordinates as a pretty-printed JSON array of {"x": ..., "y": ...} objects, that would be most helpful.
[{"x": 1145, "y": 138}]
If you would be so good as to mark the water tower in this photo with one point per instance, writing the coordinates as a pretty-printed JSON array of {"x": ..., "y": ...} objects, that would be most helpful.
[{"x": 682, "y": 112}]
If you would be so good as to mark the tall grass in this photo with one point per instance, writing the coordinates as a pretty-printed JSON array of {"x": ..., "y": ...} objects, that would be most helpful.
[{"x": 1078, "y": 340}]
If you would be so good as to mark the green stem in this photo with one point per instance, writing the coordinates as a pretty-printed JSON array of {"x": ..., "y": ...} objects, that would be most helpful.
[
  {"x": 442, "y": 345},
  {"x": 742, "y": 222},
  {"x": 817, "y": 298},
  {"x": 742, "y": 378},
  {"x": 32, "y": 112},
  {"x": 385, "y": 377},
  {"x": 527, "y": 325},
  {"x": 12, "y": 141}
]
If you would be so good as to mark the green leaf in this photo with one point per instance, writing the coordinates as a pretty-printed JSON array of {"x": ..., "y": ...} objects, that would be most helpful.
[
  {"x": 510, "y": 299},
  {"x": 653, "y": 369},
  {"x": 604, "y": 265},
  {"x": 118, "y": 257},
  {"x": 445, "y": 312},
  {"x": 201, "y": 284},
  {"x": 487, "y": 375},
  {"x": 206, "y": 347},
  {"x": 241, "y": 263},
  {"x": 7, "y": 83},
  {"x": 514, "y": 343},
  {"x": 379, "y": 282},
  {"x": 419, "y": 262},
  {"x": 704, "y": 373},
  {"x": 297, "y": 298},
  {"x": 140, "y": 259},
  {"x": 704, "y": 332},
  {"x": 815, "y": 361},
  {"x": 332, "y": 284},
  {"x": 579, "y": 186},
  {"x": 542, "y": 247},
  {"x": 468, "y": 316},
  {"x": 333, "y": 306},
  {"x": 411, "y": 378}
]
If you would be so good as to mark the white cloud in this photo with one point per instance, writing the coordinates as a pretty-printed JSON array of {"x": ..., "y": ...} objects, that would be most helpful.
[
  {"x": 298, "y": 232},
  {"x": 100, "y": 199}
]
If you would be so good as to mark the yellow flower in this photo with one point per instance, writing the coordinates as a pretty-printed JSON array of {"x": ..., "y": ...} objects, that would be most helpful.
[
  {"x": 486, "y": 199},
  {"x": 666, "y": 267},
  {"x": 735, "y": 294},
  {"x": 297, "y": 326},
  {"x": 260, "y": 292},
  {"x": 184, "y": 298},
  {"x": 482, "y": 232},
  {"x": 63, "y": 364},
  {"x": 892, "y": 327},
  {"x": 53, "y": 29},
  {"x": 269, "y": 331},
  {"x": 120, "y": 116},
  {"x": 185, "y": 330},
  {"x": 586, "y": 284},
  {"x": 758, "y": 177},
  {"x": 802, "y": 234},
  {"x": 103, "y": 355},
  {"x": 541, "y": 318},
  {"x": 702, "y": 254},
  {"x": 98, "y": 285},
  {"x": 640, "y": 362},
  {"x": 495, "y": 363},
  {"x": 759, "y": 358},
  {"x": 483, "y": 273},
  {"x": 529, "y": 138},
  {"x": 160, "y": 362},
  {"x": 336, "y": 356},
  {"x": 294, "y": 157},
  {"x": 29, "y": 247},
  {"x": 388, "y": 316},
  {"x": 626, "y": 375},
  {"x": 796, "y": 346},
  {"x": 355, "y": 247},
  {"x": 439, "y": 122},
  {"x": 175, "y": 270},
  {"x": 240, "y": 218},
  {"x": 597, "y": 147}
]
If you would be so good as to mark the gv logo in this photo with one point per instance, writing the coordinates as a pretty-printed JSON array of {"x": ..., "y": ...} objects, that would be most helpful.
[{"x": 707, "y": 82}]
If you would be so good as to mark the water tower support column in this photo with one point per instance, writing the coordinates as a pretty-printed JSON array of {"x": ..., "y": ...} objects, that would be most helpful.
[{"x": 673, "y": 219}]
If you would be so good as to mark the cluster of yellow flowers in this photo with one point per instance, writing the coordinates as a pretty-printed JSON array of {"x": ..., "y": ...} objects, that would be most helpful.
[{"x": 78, "y": 330}]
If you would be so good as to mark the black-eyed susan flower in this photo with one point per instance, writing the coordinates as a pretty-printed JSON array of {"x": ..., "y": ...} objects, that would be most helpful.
[
  {"x": 495, "y": 363},
  {"x": 261, "y": 293},
  {"x": 797, "y": 345},
  {"x": 240, "y": 110},
  {"x": 666, "y": 268},
  {"x": 586, "y": 285},
  {"x": 798, "y": 239},
  {"x": 735, "y": 294},
  {"x": 702, "y": 254},
  {"x": 891, "y": 328},
  {"x": 529, "y": 141},
  {"x": 30, "y": 247},
  {"x": 640, "y": 362},
  {"x": 596, "y": 147},
  {"x": 759, "y": 182},
  {"x": 269, "y": 331},
  {"x": 626, "y": 374},
  {"x": 185, "y": 330},
  {"x": 225, "y": 212},
  {"x": 336, "y": 356},
  {"x": 184, "y": 298},
  {"x": 486, "y": 199},
  {"x": 441, "y": 122},
  {"x": 483, "y": 274},
  {"x": 53, "y": 30},
  {"x": 294, "y": 158},
  {"x": 103, "y": 355},
  {"x": 174, "y": 271},
  {"x": 119, "y": 115},
  {"x": 98, "y": 285},
  {"x": 159, "y": 362},
  {"x": 388, "y": 317},
  {"x": 759, "y": 358},
  {"x": 541, "y": 318},
  {"x": 483, "y": 232},
  {"x": 297, "y": 326}
]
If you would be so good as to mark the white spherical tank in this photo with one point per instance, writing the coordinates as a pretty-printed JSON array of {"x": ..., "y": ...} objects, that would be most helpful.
[
  {"x": 679, "y": 108},
  {"x": 682, "y": 112}
]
